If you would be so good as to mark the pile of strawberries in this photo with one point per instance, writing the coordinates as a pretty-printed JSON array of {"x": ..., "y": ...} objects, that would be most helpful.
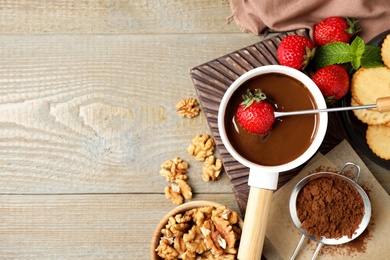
[
  {"x": 256, "y": 114},
  {"x": 297, "y": 51}
]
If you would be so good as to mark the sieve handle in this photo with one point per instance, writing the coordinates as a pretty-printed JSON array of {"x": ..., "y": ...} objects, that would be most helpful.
[
  {"x": 298, "y": 247},
  {"x": 383, "y": 104},
  {"x": 317, "y": 251},
  {"x": 255, "y": 223},
  {"x": 357, "y": 175}
]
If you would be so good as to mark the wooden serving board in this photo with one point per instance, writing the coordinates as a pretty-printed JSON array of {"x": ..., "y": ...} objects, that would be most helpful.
[{"x": 213, "y": 78}]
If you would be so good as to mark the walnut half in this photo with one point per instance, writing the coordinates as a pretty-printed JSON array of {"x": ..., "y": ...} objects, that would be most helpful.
[
  {"x": 211, "y": 169},
  {"x": 174, "y": 169},
  {"x": 202, "y": 146},
  {"x": 178, "y": 190},
  {"x": 173, "y": 194},
  {"x": 188, "y": 108}
]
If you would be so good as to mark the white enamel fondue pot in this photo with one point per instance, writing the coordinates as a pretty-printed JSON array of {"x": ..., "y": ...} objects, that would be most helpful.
[{"x": 263, "y": 180}]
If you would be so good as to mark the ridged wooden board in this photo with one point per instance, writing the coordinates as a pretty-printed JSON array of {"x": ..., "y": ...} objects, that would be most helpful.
[{"x": 212, "y": 79}]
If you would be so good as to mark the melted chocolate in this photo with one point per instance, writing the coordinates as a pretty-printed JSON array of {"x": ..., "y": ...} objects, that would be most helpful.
[{"x": 289, "y": 137}]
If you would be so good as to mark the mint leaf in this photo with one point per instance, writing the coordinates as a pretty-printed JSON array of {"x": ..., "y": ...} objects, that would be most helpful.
[
  {"x": 333, "y": 53},
  {"x": 357, "y": 53},
  {"x": 357, "y": 46},
  {"x": 357, "y": 50},
  {"x": 371, "y": 57}
]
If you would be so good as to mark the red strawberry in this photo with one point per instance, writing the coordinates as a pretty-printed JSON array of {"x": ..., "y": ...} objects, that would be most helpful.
[
  {"x": 295, "y": 51},
  {"x": 333, "y": 81},
  {"x": 334, "y": 29},
  {"x": 255, "y": 114}
]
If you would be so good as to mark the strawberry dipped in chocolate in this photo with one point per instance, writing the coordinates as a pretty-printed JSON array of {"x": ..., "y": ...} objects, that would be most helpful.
[
  {"x": 255, "y": 114},
  {"x": 285, "y": 138}
]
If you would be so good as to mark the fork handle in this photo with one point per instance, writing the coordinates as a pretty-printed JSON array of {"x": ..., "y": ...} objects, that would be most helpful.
[{"x": 383, "y": 104}]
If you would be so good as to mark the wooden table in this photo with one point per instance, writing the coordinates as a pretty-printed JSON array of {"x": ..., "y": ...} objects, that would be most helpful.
[{"x": 87, "y": 115}]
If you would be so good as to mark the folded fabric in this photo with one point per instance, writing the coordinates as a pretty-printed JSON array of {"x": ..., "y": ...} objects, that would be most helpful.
[{"x": 256, "y": 16}]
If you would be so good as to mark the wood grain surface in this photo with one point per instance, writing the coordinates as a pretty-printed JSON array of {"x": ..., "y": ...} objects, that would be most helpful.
[
  {"x": 91, "y": 114},
  {"x": 85, "y": 226},
  {"x": 87, "y": 115},
  {"x": 115, "y": 17}
]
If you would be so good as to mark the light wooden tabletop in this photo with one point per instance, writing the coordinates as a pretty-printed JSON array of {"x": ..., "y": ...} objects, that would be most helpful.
[{"x": 87, "y": 98}]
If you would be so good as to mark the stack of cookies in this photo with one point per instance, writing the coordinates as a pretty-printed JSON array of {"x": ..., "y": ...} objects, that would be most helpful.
[{"x": 367, "y": 85}]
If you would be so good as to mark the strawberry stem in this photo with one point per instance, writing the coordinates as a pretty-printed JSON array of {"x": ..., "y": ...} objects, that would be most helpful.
[
  {"x": 353, "y": 28},
  {"x": 249, "y": 97},
  {"x": 308, "y": 56}
]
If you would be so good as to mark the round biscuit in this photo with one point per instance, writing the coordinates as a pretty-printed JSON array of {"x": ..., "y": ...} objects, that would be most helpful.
[
  {"x": 368, "y": 84},
  {"x": 378, "y": 139},
  {"x": 385, "y": 51},
  {"x": 370, "y": 116}
]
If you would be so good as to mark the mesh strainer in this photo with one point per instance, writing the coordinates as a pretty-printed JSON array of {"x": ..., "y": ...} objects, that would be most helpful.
[{"x": 324, "y": 240}]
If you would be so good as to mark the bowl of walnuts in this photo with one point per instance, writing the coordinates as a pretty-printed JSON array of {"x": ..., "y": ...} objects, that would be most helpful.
[{"x": 202, "y": 229}]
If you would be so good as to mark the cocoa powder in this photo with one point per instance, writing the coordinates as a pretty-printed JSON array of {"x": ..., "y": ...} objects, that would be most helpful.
[{"x": 329, "y": 207}]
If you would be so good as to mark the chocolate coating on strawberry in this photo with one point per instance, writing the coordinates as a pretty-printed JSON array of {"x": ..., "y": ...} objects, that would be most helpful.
[{"x": 255, "y": 114}]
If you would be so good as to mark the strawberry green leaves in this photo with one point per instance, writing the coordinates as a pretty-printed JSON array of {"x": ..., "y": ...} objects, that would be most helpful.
[
  {"x": 357, "y": 53},
  {"x": 249, "y": 97}
]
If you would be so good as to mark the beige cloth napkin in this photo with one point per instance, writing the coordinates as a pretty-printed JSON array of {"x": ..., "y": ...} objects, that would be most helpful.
[
  {"x": 283, "y": 236},
  {"x": 256, "y": 16}
]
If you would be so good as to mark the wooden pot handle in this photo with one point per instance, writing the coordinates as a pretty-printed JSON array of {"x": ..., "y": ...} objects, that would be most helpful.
[{"x": 255, "y": 224}]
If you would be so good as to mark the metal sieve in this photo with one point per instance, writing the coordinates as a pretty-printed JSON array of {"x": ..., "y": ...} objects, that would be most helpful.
[{"x": 329, "y": 241}]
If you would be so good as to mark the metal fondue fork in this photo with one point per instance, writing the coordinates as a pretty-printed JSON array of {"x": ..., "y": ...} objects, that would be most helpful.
[{"x": 382, "y": 105}]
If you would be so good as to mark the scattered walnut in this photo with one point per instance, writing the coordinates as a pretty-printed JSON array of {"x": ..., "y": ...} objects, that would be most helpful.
[
  {"x": 188, "y": 107},
  {"x": 177, "y": 191},
  {"x": 175, "y": 172},
  {"x": 173, "y": 194},
  {"x": 202, "y": 146},
  {"x": 184, "y": 189},
  {"x": 201, "y": 233},
  {"x": 174, "y": 169},
  {"x": 211, "y": 169}
]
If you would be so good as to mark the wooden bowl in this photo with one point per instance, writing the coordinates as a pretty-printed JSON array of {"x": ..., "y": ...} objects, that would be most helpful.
[{"x": 179, "y": 209}]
